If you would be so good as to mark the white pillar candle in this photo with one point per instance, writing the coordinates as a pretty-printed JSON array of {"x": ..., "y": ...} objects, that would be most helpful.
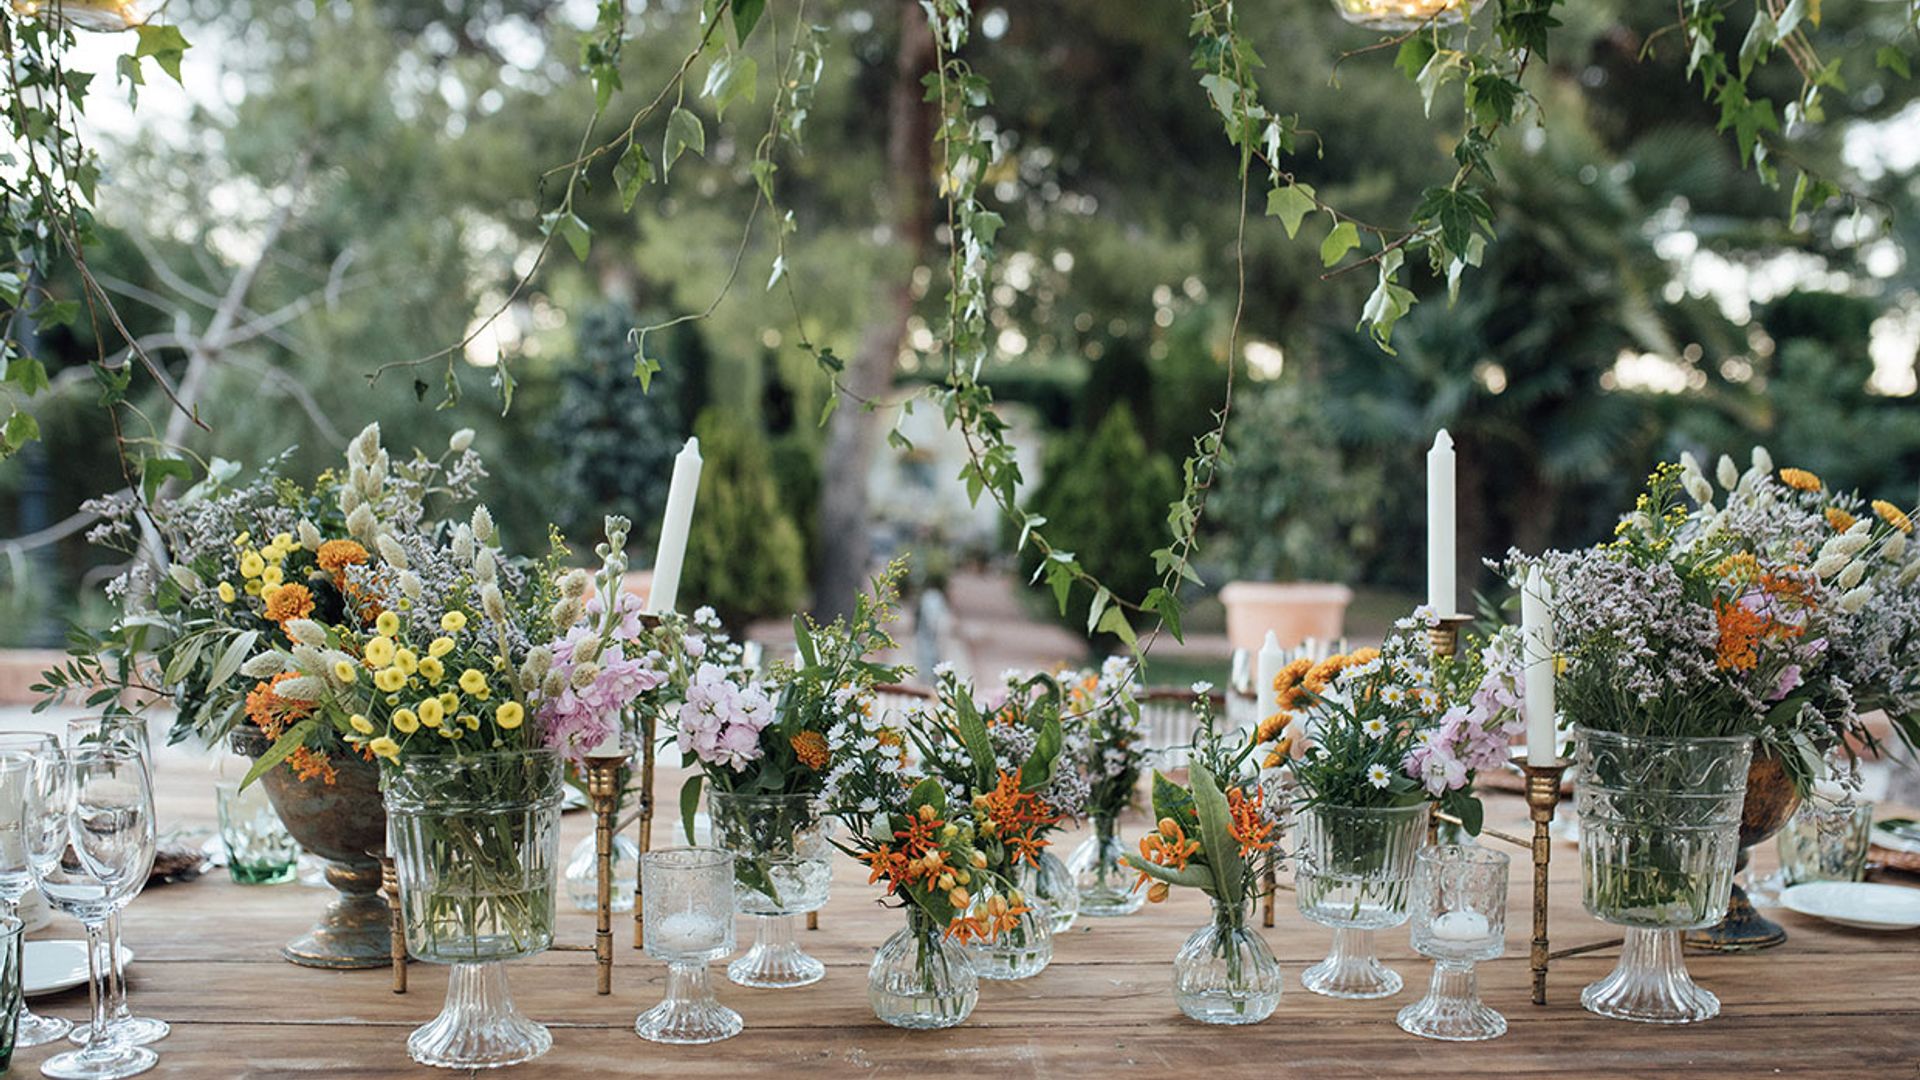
[
  {"x": 1272, "y": 659},
  {"x": 1442, "y": 568},
  {"x": 672, "y": 552},
  {"x": 1537, "y": 662}
]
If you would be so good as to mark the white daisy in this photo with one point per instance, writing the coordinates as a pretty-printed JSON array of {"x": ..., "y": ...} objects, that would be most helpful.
[
  {"x": 1202, "y": 688},
  {"x": 1378, "y": 776},
  {"x": 1392, "y": 695},
  {"x": 1375, "y": 728}
]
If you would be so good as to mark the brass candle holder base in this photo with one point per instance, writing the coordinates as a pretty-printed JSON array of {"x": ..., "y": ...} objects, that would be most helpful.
[
  {"x": 1543, "y": 796},
  {"x": 646, "y": 824},
  {"x": 1444, "y": 639}
]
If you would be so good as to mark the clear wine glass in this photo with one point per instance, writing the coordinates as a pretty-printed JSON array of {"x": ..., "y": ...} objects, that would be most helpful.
[
  {"x": 21, "y": 754},
  {"x": 129, "y": 732},
  {"x": 90, "y": 844}
]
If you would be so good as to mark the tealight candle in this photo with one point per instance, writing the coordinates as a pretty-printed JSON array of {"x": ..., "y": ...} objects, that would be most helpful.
[
  {"x": 686, "y": 932},
  {"x": 1460, "y": 926}
]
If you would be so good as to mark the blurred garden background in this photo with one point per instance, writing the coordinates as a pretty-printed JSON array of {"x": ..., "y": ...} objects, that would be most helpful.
[{"x": 339, "y": 186}]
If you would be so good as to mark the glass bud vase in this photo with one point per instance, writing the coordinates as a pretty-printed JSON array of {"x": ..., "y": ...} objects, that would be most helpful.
[
  {"x": 1355, "y": 865},
  {"x": 920, "y": 979},
  {"x": 1050, "y": 884},
  {"x": 476, "y": 846},
  {"x": 1020, "y": 951},
  {"x": 583, "y": 873},
  {"x": 783, "y": 853},
  {"x": 1225, "y": 974},
  {"x": 1100, "y": 874},
  {"x": 1659, "y": 836}
]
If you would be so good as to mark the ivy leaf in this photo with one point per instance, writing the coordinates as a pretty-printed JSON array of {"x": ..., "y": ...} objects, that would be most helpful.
[
  {"x": 21, "y": 429},
  {"x": 746, "y": 15},
  {"x": 1493, "y": 99},
  {"x": 28, "y": 374},
  {"x": 1790, "y": 18},
  {"x": 1344, "y": 238},
  {"x": 1891, "y": 58},
  {"x": 1413, "y": 56},
  {"x": 1115, "y": 622},
  {"x": 1388, "y": 303},
  {"x": 1457, "y": 213},
  {"x": 1290, "y": 203},
  {"x": 573, "y": 230},
  {"x": 631, "y": 172},
  {"x": 684, "y": 132},
  {"x": 165, "y": 44},
  {"x": 1758, "y": 43},
  {"x": 1441, "y": 67},
  {"x": 57, "y": 313},
  {"x": 1101, "y": 598},
  {"x": 1224, "y": 92},
  {"x": 155, "y": 471},
  {"x": 732, "y": 76}
]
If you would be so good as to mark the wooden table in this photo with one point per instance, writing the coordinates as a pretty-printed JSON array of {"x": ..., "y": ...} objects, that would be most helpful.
[{"x": 1829, "y": 1003}]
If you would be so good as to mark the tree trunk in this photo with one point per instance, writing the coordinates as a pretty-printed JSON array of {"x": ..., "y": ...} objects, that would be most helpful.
[{"x": 846, "y": 546}]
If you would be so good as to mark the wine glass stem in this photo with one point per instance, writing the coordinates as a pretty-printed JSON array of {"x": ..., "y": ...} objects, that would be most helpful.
[
  {"x": 116, "y": 986},
  {"x": 97, "y": 991}
]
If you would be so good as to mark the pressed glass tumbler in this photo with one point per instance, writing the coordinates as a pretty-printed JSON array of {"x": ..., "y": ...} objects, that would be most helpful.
[
  {"x": 687, "y": 922},
  {"x": 1459, "y": 918}
]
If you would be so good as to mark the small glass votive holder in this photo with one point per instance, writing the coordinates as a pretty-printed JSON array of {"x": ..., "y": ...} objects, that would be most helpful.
[
  {"x": 1459, "y": 918},
  {"x": 259, "y": 849},
  {"x": 687, "y": 921},
  {"x": 1827, "y": 838},
  {"x": 13, "y": 936}
]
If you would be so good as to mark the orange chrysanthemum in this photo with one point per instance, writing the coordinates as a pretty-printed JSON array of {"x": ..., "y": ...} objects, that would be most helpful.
[
  {"x": 1893, "y": 515},
  {"x": 289, "y": 602},
  {"x": 1800, "y": 479},
  {"x": 1839, "y": 519},
  {"x": 336, "y": 555},
  {"x": 811, "y": 748}
]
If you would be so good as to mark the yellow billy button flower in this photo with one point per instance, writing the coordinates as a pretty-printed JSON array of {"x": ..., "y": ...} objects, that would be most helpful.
[
  {"x": 283, "y": 541},
  {"x": 271, "y": 576},
  {"x": 453, "y": 621},
  {"x": 432, "y": 712},
  {"x": 251, "y": 564},
  {"x": 509, "y": 715},
  {"x": 473, "y": 681},
  {"x": 405, "y": 662},
  {"x": 390, "y": 679},
  {"x": 267, "y": 591},
  {"x": 471, "y": 721},
  {"x": 344, "y": 671},
  {"x": 360, "y": 724},
  {"x": 452, "y": 731},
  {"x": 227, "y": 595},
  {"x": 385, "y": 747},
  {"x": 406, "y": 721},
  {"x": 379, "y": 651},
  {"x": 253, "y": 588},
  {"x": 439, "y": 647},
  {"x": 388, "y": 624},
  {"x": 432, "y": 670}
]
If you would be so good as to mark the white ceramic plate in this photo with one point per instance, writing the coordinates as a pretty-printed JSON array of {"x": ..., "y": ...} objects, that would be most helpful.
[
  {"x": 49, "y": 967},
  {"x": 1857, "y": 904}
]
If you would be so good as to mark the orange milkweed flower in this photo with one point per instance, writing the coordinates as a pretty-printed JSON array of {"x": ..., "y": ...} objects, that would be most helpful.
[{"x": 1249, "y": 825}]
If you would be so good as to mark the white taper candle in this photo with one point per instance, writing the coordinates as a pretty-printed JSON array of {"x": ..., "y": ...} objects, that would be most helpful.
[
  {"x": 672, "y": 553},
  {"x": 1442, "y": 568}
]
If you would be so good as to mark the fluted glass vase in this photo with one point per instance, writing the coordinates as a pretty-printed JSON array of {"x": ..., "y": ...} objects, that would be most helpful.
[
  {"x": 1659, "y": 836},
  {"x": 783, "y": 853},
  {"x": 1355, "y": 866},
  {"x": 920, "y": 979},
  {"x": 1101, "y": 875},
  {"x": 1049, "y": 883},
  {"x": 1020, "y": 951},
  {"x": 476, "y": 845},
  {"x": 1225, "y": 974}
]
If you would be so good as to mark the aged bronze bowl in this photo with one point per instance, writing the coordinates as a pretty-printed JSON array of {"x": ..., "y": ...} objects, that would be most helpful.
[
  {"x": 1771, "y": 800},
  {"x": 345, "y": 824}
]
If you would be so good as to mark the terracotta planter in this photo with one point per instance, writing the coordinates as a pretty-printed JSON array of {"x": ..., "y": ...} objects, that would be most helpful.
[
  {"x": 344, "y": 823},
  {"x": 1293, "y": 610},
  {"x": 1771, "y": 800}
]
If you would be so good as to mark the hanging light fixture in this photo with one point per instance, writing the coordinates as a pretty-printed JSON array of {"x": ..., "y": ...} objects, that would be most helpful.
[
  {"x": 103, "y": 15},
  {"x": 1402, "y": 15}
]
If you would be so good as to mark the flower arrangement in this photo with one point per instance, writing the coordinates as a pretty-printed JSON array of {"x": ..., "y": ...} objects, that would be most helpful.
[
  {"x": 601, "y": 663},
  {"x": 1220, "y": 832},
  {"x": 1394, "y": 725},
  {"x": 1106, "y": 738}
]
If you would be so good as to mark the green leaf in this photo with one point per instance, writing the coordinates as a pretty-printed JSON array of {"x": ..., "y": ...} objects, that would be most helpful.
[
  {"x": 1344, "y": 238},
  {"x": 1170, "y": 800},
  {"x": 231, "y": 658},
  {"x": 928, "y": 792},
  {"x": 155, "y": 471},
  {"x": 21, "y": 429},
  {"x": 165, "y": 44},
  {"x": 690, "y": 804},
  {"x": 1191, "y": 877},
  {"x": 973, "y": 733},
  {"x": 57, "y": 313},
  {"x": 1440, "y": 67},
  {"x": 746, "y": 15},
  {"x": 733, "y": 75},
  {"x": 1891, "y": 58},
  {"x": 1101, "y": 598},
  {"x": 1413, "y": 55},
  {"x": 573, "y": 230},
  {"x": 684, "y": 132},
  {"x": 1222, "y": 90},
  {"x": 1038, "y": 770},
  {"x": 1216, "y": 835},
  {"x": 1115, "y": 622},
  {"x": 1291, "y": 203},
  {"x": 631, "y": 172},
  {"x": 28, "y": 374},
  {"x": 293, "y": 739}
]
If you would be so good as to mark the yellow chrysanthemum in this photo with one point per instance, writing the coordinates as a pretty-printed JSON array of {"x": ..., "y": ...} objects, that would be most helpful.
[
  {"x": 1800, "y": 479},
  {"x": 253, "y": 588},
  {"x": 431, "y": 711},
  {"x": 344, "y": 671},
  {"x": 379, "y": 651},
  {"x": 388, "y": 624},
  {"x": 405, "y": 661},
  {"x": 406, "y": 721},
  {"x": 1893, "y": 515},
  {"x": 473, "y": 680},
  {"x": 432, "y": 670},
  {"x": 251, "y": 564},
  {"x": 360, "y": 724},
  {"x": 439, "y": 647},
  {"x": 390, "y": 679},
  {"x": 385, "y": 747},
  {"x": 227, "y": 595},
  {"x": 509, "y": 715},
  {"x": 453, "y": 621}
]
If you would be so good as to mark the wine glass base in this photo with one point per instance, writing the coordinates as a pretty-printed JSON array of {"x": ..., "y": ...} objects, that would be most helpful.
[
  {"x": 1451, "y": 1020},
  {"x": 1355, "y": 979},
  {"x": 106, "y": 1061},
  {"x": 133, "y": 1031},
  {"x": 36, "y": 1030},
  {"x": 771, "y": 967},
  {"x": 688, "y": 1023}
]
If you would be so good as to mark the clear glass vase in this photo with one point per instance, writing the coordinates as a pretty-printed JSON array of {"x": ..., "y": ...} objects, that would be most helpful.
[
  {"x": 920, "y": 979},
  {"x": 783, "y": 851},
  {"x": 583, "y": 873},
  {"x": 1101, "y": 875},
  {"x": 1355, "y": 866},
  {"x": 1225, "y": 974},
  {"x": 1050, "y": 884},
  {"x": 476, "y": 846},
  {"x": 1021, "y": 951},
  {"x": 1659, "y": 835}
]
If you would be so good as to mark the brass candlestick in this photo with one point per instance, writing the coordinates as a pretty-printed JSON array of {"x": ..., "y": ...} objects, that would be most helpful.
[
  {"x": 396, "y": 923},
  {"x": 646, "y": 823},
  {"x": 1444, "y": 638},
  {"x": 1543, "y": 796},
  {"x": 603, "y": 795}
]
